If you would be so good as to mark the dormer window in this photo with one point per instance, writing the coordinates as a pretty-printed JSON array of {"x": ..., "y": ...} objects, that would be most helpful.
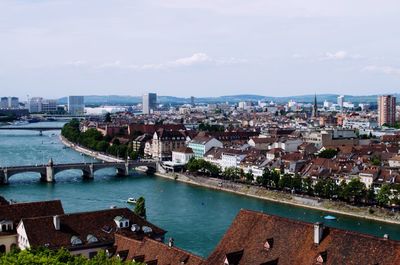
[
  {"x": 75, "y": 241},
  {"x": 321, "y": 259},
  {"x": 6, "y": 225},
  {"x": 268, "y": 244},
  {"x": 121, "y": 222},
  {"x": 91, "y": 239}
]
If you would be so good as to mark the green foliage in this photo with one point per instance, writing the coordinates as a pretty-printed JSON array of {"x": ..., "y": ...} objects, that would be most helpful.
[
  {"x": 201, "y": 166},
  {"x": 210, "y": 128},
  {"x": 328, "y": 153},
  {"x": 375, "y": 160},
  {"x": 383, "y": 195},
  {"x": 44, "y": 256},
  {"x": 94, "y": 140},
  {"x": 140, "y": 207},
  {"x": 354, "y": 191},
  {"x": 107, "y": 117},
  {"x": 269, "y": 178}
]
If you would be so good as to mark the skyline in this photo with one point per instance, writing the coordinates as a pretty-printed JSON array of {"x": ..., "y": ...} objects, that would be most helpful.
[{"x": 198, "y": 48}]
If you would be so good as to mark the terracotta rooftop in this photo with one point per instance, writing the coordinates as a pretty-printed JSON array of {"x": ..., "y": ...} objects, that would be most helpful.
[
  {"x": 100, "y": 224},
  {"x": 16, "y": 211},
  {"x": 256, "y": 238},
  {"x": 147, "y": 250}
]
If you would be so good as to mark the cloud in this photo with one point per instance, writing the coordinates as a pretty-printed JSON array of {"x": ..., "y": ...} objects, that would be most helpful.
[
  {"x": 339, "y": 55},
  {"x": 388, "y": 70},
  {"x": 77, "y": 63},
  {"x": 190, "y": 61}
]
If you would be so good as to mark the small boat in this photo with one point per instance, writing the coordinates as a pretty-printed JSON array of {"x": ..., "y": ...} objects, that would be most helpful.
[
  {"x": 131, "y": 200},
  {"x": 329, "y": 217}
]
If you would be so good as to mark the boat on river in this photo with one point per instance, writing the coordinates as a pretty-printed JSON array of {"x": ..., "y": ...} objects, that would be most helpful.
[
  {"x": 131, "y": 200},
  {"x": 329, "y": 217}
]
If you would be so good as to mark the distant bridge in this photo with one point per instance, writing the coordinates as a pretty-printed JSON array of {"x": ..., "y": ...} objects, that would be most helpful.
[
  {"x": 49, "y": 171},
  {"x": 23, "y": 128}
]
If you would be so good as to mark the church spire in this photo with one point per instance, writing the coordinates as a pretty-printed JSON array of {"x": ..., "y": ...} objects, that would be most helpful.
[{"x": 315, "y": 107}]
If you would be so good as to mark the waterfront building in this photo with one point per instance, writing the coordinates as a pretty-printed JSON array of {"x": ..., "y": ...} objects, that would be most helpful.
[
  {"x": 149, "y": 251},
  {"x": 258, "y": 238},
  {"x": 202, "y": 143},
  {"x": 149, "y": 103},
  {"x": 11, "y": 215},
  {"x": 164, "y": 142},
  {"x": 76, "y": 105},
  {"x": 9, "y": 103},
  {"x": 182, "y": 155},
  {"x": 386, "y": 110},
  {"x": 84, "y": 233},
  {"x": 38, "y": 104}
]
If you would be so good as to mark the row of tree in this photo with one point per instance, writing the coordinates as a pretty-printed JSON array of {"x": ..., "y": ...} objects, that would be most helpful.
[
  {"x": 45, "y": 256},
  {"x": 94, "y": 140},
  {"x": 354, "y": 191}
]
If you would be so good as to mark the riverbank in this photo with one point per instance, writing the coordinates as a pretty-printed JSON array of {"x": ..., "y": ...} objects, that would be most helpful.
[
  {"x": 88, "y": 152},
  {"x": 378, "y": 214},
  {"x": 341, "y": 208}
]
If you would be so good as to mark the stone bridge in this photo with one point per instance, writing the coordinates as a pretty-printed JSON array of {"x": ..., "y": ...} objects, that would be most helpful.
[
  {"x": 49, "y": 171},
  {"x": 23, "y": 128}
]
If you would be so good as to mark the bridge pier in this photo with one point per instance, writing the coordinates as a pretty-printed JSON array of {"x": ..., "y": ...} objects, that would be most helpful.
[
  {"x": 88, "y": 173},
  {"x": 49, "y": 172},
  {"x": 4, "y": 177},
  {"x": 123, "y": 171}
]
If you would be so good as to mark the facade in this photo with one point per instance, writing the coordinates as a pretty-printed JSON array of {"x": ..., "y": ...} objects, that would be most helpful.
[
  {"x": 149, "y": 103},
  {"x": 76, "y": 105},
  {"x": 340, "y": 101},
  {"x": 182, "y": 155},
  {"x": 11, "y": 215},
  {"x": 38, "y": 104},
  {"x": 164, "y": 142},
  {"x": 386, "y": 110},
  {"x": 9, "y": 103},
  {"x": 201, "y": 144}
]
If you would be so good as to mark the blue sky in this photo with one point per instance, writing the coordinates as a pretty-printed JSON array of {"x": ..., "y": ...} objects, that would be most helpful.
[{"x": 54, "y": 48}]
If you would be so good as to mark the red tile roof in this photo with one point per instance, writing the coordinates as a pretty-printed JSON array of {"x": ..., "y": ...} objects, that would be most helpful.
[
  {"x": 293, "y": 243},
  {"x": 41, "y": 231},
  {"x": 15, "y": 212},
  {"x": 150, "y": 250}
]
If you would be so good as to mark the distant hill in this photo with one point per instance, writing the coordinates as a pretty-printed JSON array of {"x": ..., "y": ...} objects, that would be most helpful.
[{"x": 127, "y": 100}]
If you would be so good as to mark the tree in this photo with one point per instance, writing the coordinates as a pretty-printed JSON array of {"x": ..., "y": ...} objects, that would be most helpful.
[
  {"x": 140, "y": 207},
  {"x": 354, "y": 191},
  {"x": 307, "y": 186},
  {"x": 107, "y": 117},
  {"x": 328, "y": 153},
  {"x": 285, "y": 182},
  {"x": 383, "y": 195}
]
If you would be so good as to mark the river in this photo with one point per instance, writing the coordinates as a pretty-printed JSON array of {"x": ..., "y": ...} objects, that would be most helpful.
[{"x": 195, "y": 217}]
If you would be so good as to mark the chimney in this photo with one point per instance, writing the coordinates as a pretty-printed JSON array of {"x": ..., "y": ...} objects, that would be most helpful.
[
  {"x": 171, "y": 242},
  {"x": 56, "y": 222},
  {"x": 318, "y": 231}
]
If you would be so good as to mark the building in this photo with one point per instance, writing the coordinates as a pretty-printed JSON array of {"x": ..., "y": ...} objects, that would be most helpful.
[
  {"x": 258, "y": 238},
  {"x": 182, "y": 155},
  {"x": 84, "y": 233},
  {"x": 314, "y": 113},
  {"x": 76, "y": 105},
  {"x": 164, "y": 142},
  {"x": 202, "y": 143},
  {"x": 149, "y": 251},
  {"x": 192, "y": 101},
  {"x": 38, "y": 104},
  {"x": 4, "y": 103},
  {"x": 149, "y": 103},
  {"x": 340, "y": 101},
  {"x": 386, "y": 110},
  {"x": 11, "y": 215}
]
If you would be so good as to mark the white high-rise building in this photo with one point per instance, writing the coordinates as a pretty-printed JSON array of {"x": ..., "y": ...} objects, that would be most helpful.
[
  {"x": 149, "y": 103},
  {"x": 38, "y": 104},
  {"x": 340, "y": 101},
  {"x": 76, "y": 105},
  {"x": 9, "y": 103}
]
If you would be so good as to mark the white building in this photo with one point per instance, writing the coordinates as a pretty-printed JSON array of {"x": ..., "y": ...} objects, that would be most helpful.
[
  {"x": 182, "y": 155},
  {"x": 149, "y": 103},
  {"x": 38, "y": 104},
  {"x": 340, "y": 101},
  {"x": 231, "y": 158},
  {"x": 201, "y": 144}
]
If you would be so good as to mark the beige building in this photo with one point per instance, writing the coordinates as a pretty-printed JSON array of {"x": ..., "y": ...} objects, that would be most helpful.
[{"x": 386, "y": 110}]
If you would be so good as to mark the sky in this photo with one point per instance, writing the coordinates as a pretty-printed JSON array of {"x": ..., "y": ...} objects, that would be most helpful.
[{"x": 55, "y": 48}]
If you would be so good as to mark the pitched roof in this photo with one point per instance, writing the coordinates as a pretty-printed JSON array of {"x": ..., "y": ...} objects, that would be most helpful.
[
  {"x": 16, "y": 211},
  {"x": 293, "y": 243},
  {"x": 150, "y": 250},
  {"x": 100, "y": 224}
]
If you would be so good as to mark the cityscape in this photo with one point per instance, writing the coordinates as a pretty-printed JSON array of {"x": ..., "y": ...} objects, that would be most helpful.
[{"x": 199, "y": 132}]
